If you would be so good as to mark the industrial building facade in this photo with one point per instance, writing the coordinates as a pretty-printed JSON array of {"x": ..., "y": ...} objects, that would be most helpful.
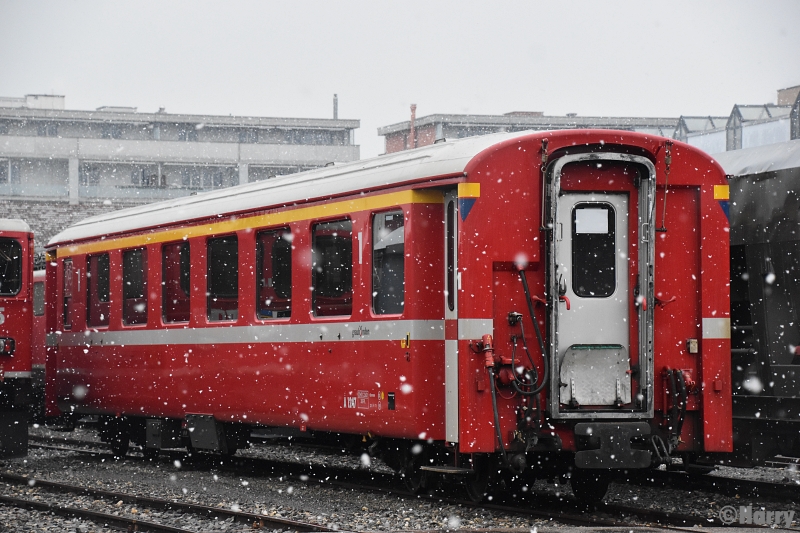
[
  {"x": 745, "y": 127},
  {"x": 116, "y": 156}
]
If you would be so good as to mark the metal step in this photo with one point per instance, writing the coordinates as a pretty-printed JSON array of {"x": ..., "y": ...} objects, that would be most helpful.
[{"x": 450, "y": 470}]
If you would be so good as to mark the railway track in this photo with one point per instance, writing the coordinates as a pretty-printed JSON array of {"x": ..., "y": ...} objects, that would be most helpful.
[
  {"x": 541, "y": 506},
  {"x": 143, "y": 504}
]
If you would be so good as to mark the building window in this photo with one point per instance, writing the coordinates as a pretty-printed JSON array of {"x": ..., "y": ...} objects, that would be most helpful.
[
  {"x": 68, "y": 280},
  {"x": 14, "y": 172},
  {"x": 187, "y": 132},
  {"x": 10, "y": 266},
  {"x": 388, "y": 255},
  {"x": 47, "y": 129},
  {"x": 3, "y": 171},
  {"x": 175, "y": 282},
  {"x": 274, "y": 273},
  {"x": 248, "y": 135},
  {"x": 223, "y": 278},
  {"x": 134, "y": 287},
  {"x": 332, "y": 268},
  {"x": 97, "y": 290},
  {"x": 593, "y": 250},
  {"x": 111, "y": 131}
]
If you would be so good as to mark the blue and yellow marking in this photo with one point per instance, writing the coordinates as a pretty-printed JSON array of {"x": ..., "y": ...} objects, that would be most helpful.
[
  {"x": 722, "y": 194},
  {"x": 467, "y": 194}
]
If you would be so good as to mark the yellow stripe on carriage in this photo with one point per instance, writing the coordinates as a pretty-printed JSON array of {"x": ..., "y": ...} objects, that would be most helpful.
[{"x": 230, "y": 225}]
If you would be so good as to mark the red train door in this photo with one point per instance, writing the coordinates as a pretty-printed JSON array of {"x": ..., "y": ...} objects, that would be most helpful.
[{"x": 601, "y": 270}]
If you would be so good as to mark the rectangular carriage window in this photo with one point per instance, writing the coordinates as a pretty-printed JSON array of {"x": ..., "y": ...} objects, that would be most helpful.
[
  {"x": 97, "y": 290},
  {"x": 175, "y": 282},
  {"x": 388, "y": 255},
  {"x": 68, "y": 280},
  {"x": 332, "y": 268},
  {"x": 10, "y": 267},
  {"x": 38, "y": 298},
  {"x": 594, "y": 250},
  {"x": 134, "y": 287},
  {"x": 274, "y": 273},
  {"x": 223, "y": 278}
]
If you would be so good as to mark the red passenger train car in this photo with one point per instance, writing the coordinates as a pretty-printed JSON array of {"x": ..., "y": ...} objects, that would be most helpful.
[
  {"x": 499, "y": 307},
  {"x": 16, "y": 325}
]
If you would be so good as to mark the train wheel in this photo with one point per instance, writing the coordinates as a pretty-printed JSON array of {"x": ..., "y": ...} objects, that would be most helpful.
[
  {"x": 477, "y": 485},
  {"x": 415, "y": 479},
  {"x": 590, "y": 486}
]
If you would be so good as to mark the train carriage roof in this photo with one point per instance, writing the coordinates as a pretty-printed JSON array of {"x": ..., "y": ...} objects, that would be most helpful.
[
  {"x": 442, "y": 159},
  {"x": 761, "y": 159},
  {"x": 14, "y": 224}
]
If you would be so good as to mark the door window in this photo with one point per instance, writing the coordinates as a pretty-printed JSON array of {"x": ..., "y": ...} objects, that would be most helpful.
[{"x": 593, "y": 250}]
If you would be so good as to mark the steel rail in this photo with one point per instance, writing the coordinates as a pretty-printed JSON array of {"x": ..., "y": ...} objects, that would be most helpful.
[{"x": 255, "y": 520}]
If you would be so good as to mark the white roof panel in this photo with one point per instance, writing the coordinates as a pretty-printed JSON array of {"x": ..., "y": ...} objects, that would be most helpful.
[
  {"x": 760, "y": 159},
  {"x": 443, "y": 159},
  {"x": 14, "y": 224}
]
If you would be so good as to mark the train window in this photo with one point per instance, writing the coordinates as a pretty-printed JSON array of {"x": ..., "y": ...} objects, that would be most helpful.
[
  {"x": 10, "y": 267},
  {"x": 134, "y": 286},
  {"x": 332, "y": 268},
  {"x": 68, "y": 279},
  {"x": 175, "y": 286},
  {"x": 388, "y": 277},
  {"x": 274, "y": 273},
  {"x": 594, "y": 251},
  {"x": 38, "y": 298},
  {"x": 451, "y": 255},
  {"x": 223, "y": 278},
  {"x": 97, "y": 290}
]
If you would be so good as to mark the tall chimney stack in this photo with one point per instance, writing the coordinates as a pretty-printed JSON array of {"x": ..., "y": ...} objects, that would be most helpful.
[
  {"x": 335, "y": 107},
  {"x": 412, "y": 134}
]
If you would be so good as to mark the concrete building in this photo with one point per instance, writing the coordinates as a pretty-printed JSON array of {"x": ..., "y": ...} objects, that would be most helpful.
[
  {"x": 117, "y": 156},
  {"x": 426, "y": 130},
  {"x": 747, "y": 126}
]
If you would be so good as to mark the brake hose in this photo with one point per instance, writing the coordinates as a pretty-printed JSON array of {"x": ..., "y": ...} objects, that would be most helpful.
[
  {"x": 684, "y": 400},
  {"x": 497, "y": 415},
  {"x": 545, "y": 362}
]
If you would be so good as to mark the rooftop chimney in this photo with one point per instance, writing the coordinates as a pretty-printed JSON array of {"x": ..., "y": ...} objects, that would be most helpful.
[
  {"x": 335, "y": 107},
  {"x": 412, "y": 140}
]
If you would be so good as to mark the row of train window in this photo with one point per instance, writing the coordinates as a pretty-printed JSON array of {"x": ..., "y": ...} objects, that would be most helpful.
[{"x": 331, "y": 274}]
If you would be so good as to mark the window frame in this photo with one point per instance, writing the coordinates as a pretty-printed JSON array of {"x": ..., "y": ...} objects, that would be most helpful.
[
  {"x": 17, "y": 265},
  {"x": 184, "y": 278},
  {"x": 581, "y": 251},
  {"x": 262, "y": 283},
  {"x": 344, "y": 299},
  {"x": 222, "y": 297},
  {"x": 377, "y": 291},
  {"x": 143, "y": 292},
  {"x": 98, "y": 283}
]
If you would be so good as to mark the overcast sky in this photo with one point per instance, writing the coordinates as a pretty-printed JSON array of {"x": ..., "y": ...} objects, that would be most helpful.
[{"x": 287, "y": 59}]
